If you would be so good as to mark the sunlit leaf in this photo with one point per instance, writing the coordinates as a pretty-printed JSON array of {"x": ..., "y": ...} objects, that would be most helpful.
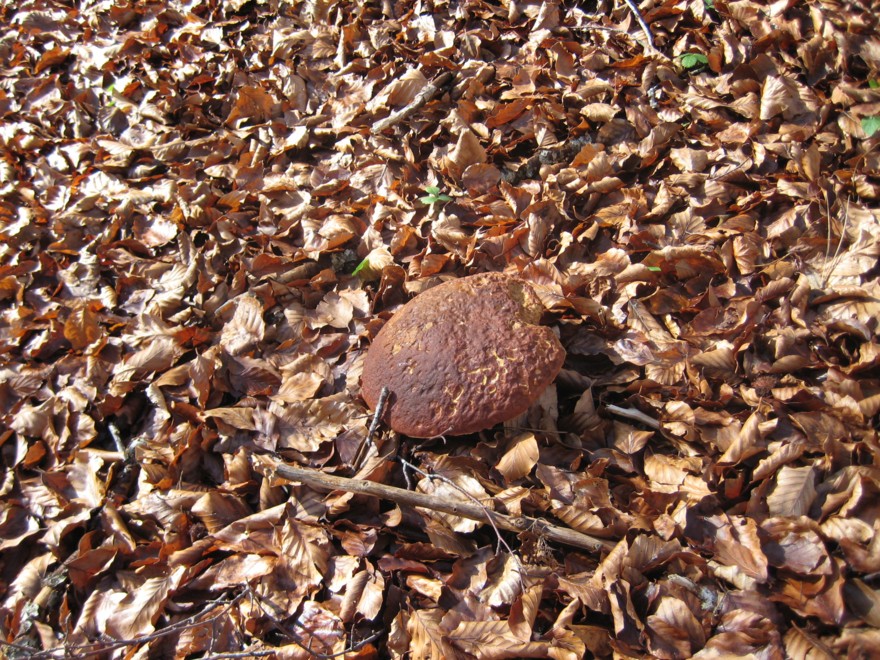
[
  {"x": 428, "y": 641},
  {"x": 520, "y": 457},
  {"x": 245, "y": 328},
  {"x": 81, "y": 328},
  {"x": 871, "y": 125},
  {"x": 694, "y": 60},
  {"x": 138, "y": 610},
  {"x": 794, "y": 492}
]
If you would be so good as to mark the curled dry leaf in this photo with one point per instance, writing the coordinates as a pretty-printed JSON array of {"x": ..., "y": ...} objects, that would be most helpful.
[
  {"x": 456, "y": 488},
  {"x": 134, "y": 614}
]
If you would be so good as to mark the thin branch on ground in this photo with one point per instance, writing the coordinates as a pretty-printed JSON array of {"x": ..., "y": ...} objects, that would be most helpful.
[
  {"x": 102, "y": 646},
  {"x": 634, "y": 414},
  {"x": 426, "y": 94},
  {"x": 644, "y": 25},
  {"x": 273, "y": 467},
  {"x": 374, "y": 426},
  {"x": 486, "y": 510}
]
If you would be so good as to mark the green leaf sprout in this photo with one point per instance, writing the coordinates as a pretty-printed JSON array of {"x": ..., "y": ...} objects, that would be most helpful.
[
  {"x": 362, "y": 266},
  {"x": 871, "y": 125},
  {"x": 692, "y": 61},
  {"x": 434, "y": 196}
]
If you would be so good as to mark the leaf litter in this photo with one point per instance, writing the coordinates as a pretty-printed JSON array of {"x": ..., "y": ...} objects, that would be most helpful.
[{"x": 208, "y": 211}]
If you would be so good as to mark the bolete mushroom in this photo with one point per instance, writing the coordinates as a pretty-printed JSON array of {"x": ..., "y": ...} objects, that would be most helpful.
[{"x": 462, "y": 357}]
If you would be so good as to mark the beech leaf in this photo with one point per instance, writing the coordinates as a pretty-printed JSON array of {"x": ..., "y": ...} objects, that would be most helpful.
[
  {"x": 520, "y": 457},
  {"x": 246, "y": 327},
  {"x": 871, "y": 125},
  {"x": 794, "y": 491}
]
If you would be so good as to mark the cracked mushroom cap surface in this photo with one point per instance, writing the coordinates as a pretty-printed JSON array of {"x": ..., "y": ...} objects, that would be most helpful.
[{"x": 462, "y": 357}]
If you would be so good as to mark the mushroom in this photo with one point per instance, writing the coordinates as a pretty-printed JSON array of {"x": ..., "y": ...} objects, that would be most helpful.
[{"x": 463, "y": 356}]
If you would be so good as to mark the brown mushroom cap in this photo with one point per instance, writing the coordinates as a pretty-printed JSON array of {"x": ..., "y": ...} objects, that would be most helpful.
[{"x": 462, "y": 357}]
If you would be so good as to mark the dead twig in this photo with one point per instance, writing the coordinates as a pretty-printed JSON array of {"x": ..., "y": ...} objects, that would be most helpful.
[
  {"x": 102, "y": 646},
  {"x": 646, "y": 30},
  {"x": 374, "y": 426},
  {"x": 273, "y": 467},
  {"x": 426, "y": 94},
  {"x": 634, "y": 414},
  {"x": 275, "y": 616},
  {"x": 486, "y": 510},
  {"x": 380, "y": 411}
]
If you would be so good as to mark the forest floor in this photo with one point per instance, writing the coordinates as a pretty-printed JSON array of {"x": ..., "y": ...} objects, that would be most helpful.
[{"x": 209, "y": 209}]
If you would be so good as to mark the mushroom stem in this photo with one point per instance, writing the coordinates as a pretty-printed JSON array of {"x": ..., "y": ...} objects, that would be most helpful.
[{"x": 322, "y": 481}]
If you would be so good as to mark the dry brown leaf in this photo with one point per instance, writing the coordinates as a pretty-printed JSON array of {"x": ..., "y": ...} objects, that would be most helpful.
[
  {"x": 863, "y": 601},
  {"x": 675, "y": 629},
  {"x": 519, "y": 458},
  {"x": 628, "y": 439},
  {"x": 427, "y": 587},
  {"x": 467, "y": 151},
  {"x": 780, "y": 456},
  {"x": 493, "y": 640},
  {"x": 234, "y": 570},
  {"x": 363, "y": 596},
  {"x": 524, "y": 611},
  {"x": 737, "y": 545},
  {"x": 428, "y": 640},
  {"x": 455, "y": 487},
  {"x": 135, "y": 613},
  {"x": 81, "y": 328},
  {"x": 793, "y": 492},
  {"x": 245, "y": 329},
  {"x": 218, "y": 510},
  {"x": 749, "y": 441},
  {"x": 793, "y": 545},
  {"x": 252, "y": 103},
  {"x": 238, "y": 418},
  {"x": 801, "y": 645}
]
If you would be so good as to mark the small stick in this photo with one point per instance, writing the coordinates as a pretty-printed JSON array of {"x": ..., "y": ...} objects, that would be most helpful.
[
  {"x": 426, "y": 94},
  {"x": 632, "y": 413},
  {"x": 645, "y": 29},
  {"x": 374, "y": 426},
  {"x": 379, "y": 412},
  {"x": 321, "y": 480},
  {"x": 489, "y": 513}
]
